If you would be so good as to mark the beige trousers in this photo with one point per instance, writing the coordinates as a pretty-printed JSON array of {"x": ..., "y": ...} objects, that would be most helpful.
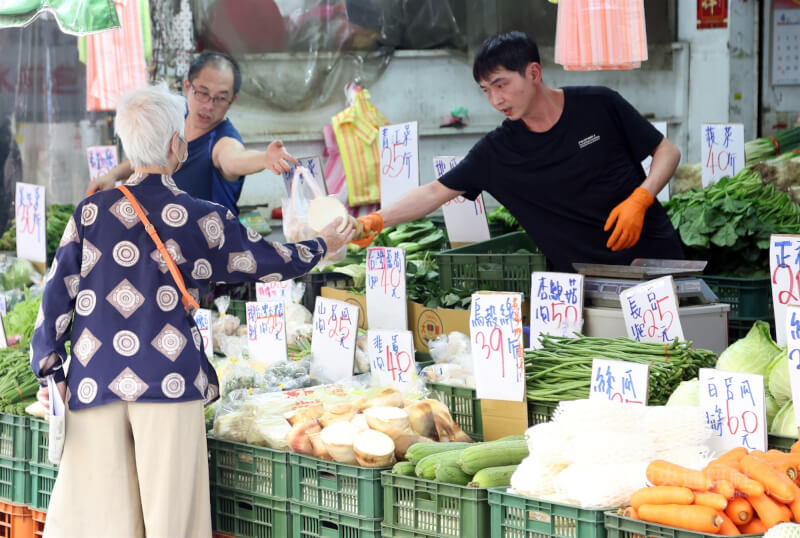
[{"x": 132, "y": 470}]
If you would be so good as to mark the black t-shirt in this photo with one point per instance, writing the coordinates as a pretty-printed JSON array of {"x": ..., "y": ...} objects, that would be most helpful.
[{"x": 562, "y": 184}]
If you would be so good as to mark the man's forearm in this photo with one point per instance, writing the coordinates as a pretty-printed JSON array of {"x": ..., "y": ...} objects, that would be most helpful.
[
  {"x": 665, "y": 160},
  {"x": 417, "y": 203},
  {"x": 244, "y": 163}
]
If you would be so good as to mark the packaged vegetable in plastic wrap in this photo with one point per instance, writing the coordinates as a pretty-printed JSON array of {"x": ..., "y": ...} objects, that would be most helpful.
[
  {"x": 361, "y": 364},
  {"x": 448, "y": 374}
]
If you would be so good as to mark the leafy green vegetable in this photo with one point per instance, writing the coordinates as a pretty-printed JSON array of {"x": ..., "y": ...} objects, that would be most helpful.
[
  {"x": 22, "y": 318},
  {"x": 784, "y": 422},
  {"x": 686, "y": 393},
  {"x": 778, "y": 381},
  {"x": 752, "y": 354},
  {"x": 20, "y": 275},
  {"x": 501, "y": 215},
  {"x": 771, "y": 406}
]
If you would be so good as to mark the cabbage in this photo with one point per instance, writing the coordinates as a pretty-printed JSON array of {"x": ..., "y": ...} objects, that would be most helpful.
[
  {"x": 686, "y": 393},
  {"x": 779, "y": 383},
  {"x": 784, "y": 422},
  {"x": 752, "y": 354},
  {"x": 771, "y": 405}
]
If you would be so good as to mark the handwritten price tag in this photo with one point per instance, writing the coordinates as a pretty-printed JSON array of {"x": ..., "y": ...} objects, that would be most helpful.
[
  {"x": 793, "y": 345},
  {"x": 651, "y": 311},
  {"x": 31, "y": 241},
  {"x": 391, "y": 356},
  {"x": 784, "y": 266},
  {"x": 313, "y": 164},
  {"x": 722, "y": 150},
  {"x": 101, "y": 159},
  {"x": 495, "y": 326},
  {"x": 733, "y": 405},
  {"x": 272, "y": 291},
  {"x": 619, "y": 381},
  {"x": 464, "y": 219},
  {"x": 266, "y": 331},
  {"x": 399, "y": 161},
  {"x": 333, "y": 342},
  {"x": 202, "y": 317},
  {"x": 386, "y": 288},
  {"x": 556, "y": 305}
]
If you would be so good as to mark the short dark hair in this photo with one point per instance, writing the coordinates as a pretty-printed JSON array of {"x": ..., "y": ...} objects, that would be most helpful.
[
  {"x": 217, "y": 59},
  {"x": 512, "y": 51}
]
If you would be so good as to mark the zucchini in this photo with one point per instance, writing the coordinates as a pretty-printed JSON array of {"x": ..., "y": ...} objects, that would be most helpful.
[
  {"x": 417, "y": 451},
  {"x": 513, "y": 437},
  {"x": 403, "y": 468},
  {"x": 494, "y": 454},
  {"x": 492, "y": 477},
  {"x": 425, "y": 468},
  {"x": 451, "y": 473}
]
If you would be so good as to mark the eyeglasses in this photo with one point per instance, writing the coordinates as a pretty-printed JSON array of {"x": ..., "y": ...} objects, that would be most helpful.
[{"x": 205, "y": 97}]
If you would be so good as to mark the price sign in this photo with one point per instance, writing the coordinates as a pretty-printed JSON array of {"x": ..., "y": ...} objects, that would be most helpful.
[
  {"x": 2, "y": 304},
  {"x": 101, "y": 160},
  {"x": 619, "y": 381},
  {"x": 386, "y": 288},
  {"x": 399, "y": 161},
  {"x": 722, "y": 150},
  {"x": 31, "y": 240},
  {"x": 202, "y": 317},
  {"x": 391, "y": 356},
  {"x": 464, "y": 219},
  {"x": 793, "y": 348},
  {"x": 333, "y": 342},
  {"x": 313, "y": 164},
  {"x": 556, "y": 305},
  {"x": 733, "y": 406},
  {"x": 651, "y": 311},
  {"x": 266, "y": 331},
  {"x": 272, "y": 291},
  {"x": 495, "y": 327},
  {"x": 663, "y": 195},
  {"x": 784, "y": 266}
]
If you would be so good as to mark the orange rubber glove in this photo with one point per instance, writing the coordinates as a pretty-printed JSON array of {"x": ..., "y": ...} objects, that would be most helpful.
[
  {"x": 373, "y": 225},
  {"x": 629, "y": 216}
]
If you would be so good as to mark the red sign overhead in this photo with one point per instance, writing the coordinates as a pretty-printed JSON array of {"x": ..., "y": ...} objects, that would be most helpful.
[{"x": 712, "y": 14}]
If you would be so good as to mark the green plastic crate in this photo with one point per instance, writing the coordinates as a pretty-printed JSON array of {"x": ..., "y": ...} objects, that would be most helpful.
[
  {"x": 15, "y": 437},
  {"x": 780, "y": 442},
  {"x": 464, "y": 407},
  {"x": 311, "y": 522},
  {"x": 623, "y": 527},
  {"x": 314, "y": 283},
  {"x": 14, "y": 483},
  {"x": 249, "y": 516},
  {"x": 539, "y": 412},
  {"x": 433, "y": 508},
  {"x": 515, "y": 516},
  {"x": 750, "y": 298},
  {"x": 249, "y": 469},
  {"x": 43, "y": 478},
  {"x": 336, "y": 487},
  {"x": 239, "y": 309},
  {"x": 738, "y": 328},
  {"x": 40, "y": 441},
  {"x": 492, "y": 265}
]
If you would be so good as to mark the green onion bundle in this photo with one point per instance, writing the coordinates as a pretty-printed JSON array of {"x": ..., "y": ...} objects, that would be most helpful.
[{"x": 769, "y": 146}]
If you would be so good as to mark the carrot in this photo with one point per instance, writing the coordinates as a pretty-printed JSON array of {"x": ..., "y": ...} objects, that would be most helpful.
[
  {"x": 662, "y": 495},
  {"x": 756, "y": 526},
  {"x": 794, "y": 506},
  {"x": 724, "y": 488},
  {"x": 663, "y": 473},
  {"x": 769, "y": 511},
  {"x": 727, "y": 528},
  {"x": 776, "y": 452},
  {"x": 630, "y": 512},
  {"x": 737, "y": 479},
  {"x": 784, "y": 468},
  {"x": 756, "y": 452},
  {"x": 708, "y": 498},
  {"x": 692, "y": 517},
  {"x": 776, "y": 484},
  {"x": 739, "y": 510},
  {"x": 734, "y": 454},
  {"x": 795, "y": 446}
]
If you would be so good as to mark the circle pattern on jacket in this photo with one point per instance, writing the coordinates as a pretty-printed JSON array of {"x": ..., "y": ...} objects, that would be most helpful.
[
  {"x": 202, "y": 269},
  {"x": 87, "y": 390},
  {"x": 174, "y": 215},
  {"x": 88, "y": 214},
  {"x": 173, "y": 385},
  {"x": 126, "y": 343},
  {"x": 62, "y": 323},
  {"x": 167, "y": 298},
  {"x": 125, "y": 253},
  {"x": 85, "y": 302}
]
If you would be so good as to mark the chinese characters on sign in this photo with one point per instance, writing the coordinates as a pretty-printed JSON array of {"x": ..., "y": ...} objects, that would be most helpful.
[
  {"x": 391, "y": 356},
  {"x": 266, "y": 331},
  {"x": 793, "y": 348},
  {"x": 313, "y": 165},
  {"x": 721, "y": 150},
  {"x": 556, "y": 305},
  {"x": 31, "y": 242},
  {"x": 101, "y": 160},
  {"x": 465, "y": 220},
  {"x": 399, "y": 161},
  {"x": 784, "y": 267},
  {"x": 733, "y": 406},
  {"x": 651, "y": 311},
  {"x": 495, "y": 327},
  {"x": 202, "y": 317},
  {"x": 333, "y": 342},
  {"x": 387, "y": 307},
  {"x": 619, "y": 381},
  {"x": 712, "y": 14},
  {"x": 271, "y": 291}
]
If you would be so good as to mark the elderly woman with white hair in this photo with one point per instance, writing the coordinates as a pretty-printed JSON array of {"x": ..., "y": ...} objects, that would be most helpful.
[{"x": 134, "y": 462}]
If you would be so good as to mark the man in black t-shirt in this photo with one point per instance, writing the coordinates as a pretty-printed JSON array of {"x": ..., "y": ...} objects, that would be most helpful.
[{"x": 565, "y": 162}]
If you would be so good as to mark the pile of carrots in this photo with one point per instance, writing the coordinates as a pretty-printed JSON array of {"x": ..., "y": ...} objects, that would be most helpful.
[{"x": 740, "y": 492}]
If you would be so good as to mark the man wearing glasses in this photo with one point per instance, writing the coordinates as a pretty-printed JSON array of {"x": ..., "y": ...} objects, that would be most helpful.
[{"x": 217, "y": 161}]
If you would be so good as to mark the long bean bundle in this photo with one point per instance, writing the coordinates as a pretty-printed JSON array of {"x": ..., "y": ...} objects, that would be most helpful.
[
  {"x": 17, "y": 382},
  {"x": 562, "y": 368}
]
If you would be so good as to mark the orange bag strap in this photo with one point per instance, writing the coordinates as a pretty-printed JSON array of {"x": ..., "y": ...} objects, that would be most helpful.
[{"x": 173, "y": 268}]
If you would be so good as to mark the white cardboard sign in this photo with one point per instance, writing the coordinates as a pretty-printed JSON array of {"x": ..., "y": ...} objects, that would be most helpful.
[
  {"x": 101, "y": 159},
  {"x": 399, "y": 152},
  {"x": 313, "y": 164},
  {"x": 464, "y": 219},
  {"x": 266, "y": 331},
  {"x": 391, "y": 356},
  {"x": 274, "y": 291},
  {"x": 619, "y": 381},
  {"x": 651, "y": 311},
  {"x": 495, "y": 326},
  {"x": 663, "y": 195},
  {"x": 387, "y": 307},
  {"x": 793, "y": 348},
  {"x": 333, "y": 342},
  {"x": 721, "y": 150},
  {"x": 31, "y": 229},
  {"x": 2, "y": 304},
  {"x": 202, "y": 317},
  {"x": 784, "y": 268},
  {"x": 733, "y": 406},
  {"x": 556, "y": 305}
]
